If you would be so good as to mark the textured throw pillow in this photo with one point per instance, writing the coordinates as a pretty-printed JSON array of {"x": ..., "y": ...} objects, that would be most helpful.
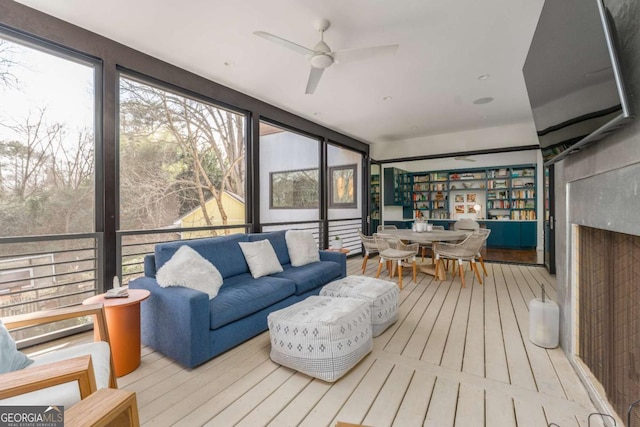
[
  {"x": 261, "y": 257},
  {"x": 302, "y": 247},
  {"x": 10, "y": 358},
  {"x": 189, "y": 269}
]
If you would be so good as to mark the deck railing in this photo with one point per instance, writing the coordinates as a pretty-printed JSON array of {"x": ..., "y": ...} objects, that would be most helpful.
[{"x": 46, "y": 272}]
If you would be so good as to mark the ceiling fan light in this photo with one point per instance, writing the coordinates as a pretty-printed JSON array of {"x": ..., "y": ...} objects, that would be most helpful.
[{"x": 321, "y": 61}]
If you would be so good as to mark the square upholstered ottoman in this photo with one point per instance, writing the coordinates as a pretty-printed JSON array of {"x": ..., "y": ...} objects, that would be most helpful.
[
  {"x": 322, "y": 337},
  {"x": 381, "y": 294}
]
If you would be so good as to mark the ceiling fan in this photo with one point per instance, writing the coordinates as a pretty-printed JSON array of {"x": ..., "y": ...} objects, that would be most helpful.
[
  {"x": 464, "y": 158},
  {"x": 322, "y": 57}
]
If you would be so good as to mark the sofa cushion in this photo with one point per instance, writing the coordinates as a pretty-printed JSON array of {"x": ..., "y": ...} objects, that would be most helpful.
[
  {"x": 302, "y": 247},
  {"x": 311, "y": 276},
  {"x": 189, "y": 269},
  {"x": 277, "y": 240},
  {"x": 261, "y": 258},
  {"x": 223, "y": 252},
  {"x": 243, "y": 295}
]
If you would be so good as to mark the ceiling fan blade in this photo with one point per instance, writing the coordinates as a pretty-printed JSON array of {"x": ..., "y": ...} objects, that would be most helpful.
[
  {"x": 282, "y": 42},
  {"x": 314, "y": 78},
  {"x": 353, "y": 55}
]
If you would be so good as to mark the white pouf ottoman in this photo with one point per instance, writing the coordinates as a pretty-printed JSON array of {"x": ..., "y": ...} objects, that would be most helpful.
[
  {"x": 381, "y": 294},
  {"x": 322, "y": 337}
]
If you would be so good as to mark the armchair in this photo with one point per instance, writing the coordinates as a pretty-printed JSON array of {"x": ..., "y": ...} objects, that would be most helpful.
[{"x": 49, "y": 379}]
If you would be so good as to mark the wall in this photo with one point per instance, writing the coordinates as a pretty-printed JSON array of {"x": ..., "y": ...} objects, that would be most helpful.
[
  {"x": 472, "y": 140},
  {"x": 481, "y": 160},
  {"x": 605, "y": 164}
]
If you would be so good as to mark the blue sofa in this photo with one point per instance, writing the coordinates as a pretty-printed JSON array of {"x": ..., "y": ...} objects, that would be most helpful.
[{"x": 185, "y": 325}]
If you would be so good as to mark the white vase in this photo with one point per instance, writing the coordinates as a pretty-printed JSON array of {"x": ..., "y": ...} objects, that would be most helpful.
[{"x": 336, "y": 244}]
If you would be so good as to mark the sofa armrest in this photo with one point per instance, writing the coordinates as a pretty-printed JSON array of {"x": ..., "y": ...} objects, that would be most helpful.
[
  {"x": 337, "y": 257},
  {"x": 175, "y": 321}
]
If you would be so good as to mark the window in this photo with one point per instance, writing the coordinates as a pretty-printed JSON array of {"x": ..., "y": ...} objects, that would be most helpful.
[
  {"x": 343, "y": 188},
  {"x": 182, "y": 160},
  {"x": 47, "y": 142},
  {"x": 289, "y": 176},
  {"x": 294, "y": 189},
  {"x": 47, "y": 180}
]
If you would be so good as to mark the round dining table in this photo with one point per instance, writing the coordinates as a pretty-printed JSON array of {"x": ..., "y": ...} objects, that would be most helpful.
[{"x": 428, "y": 237}]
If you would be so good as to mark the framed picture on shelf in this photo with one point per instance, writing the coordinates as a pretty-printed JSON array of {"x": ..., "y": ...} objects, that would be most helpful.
[
  {"x": 471, "y": 197},
  {"x": 459, "y": 209},
  {"x": 459, "y": 198}
]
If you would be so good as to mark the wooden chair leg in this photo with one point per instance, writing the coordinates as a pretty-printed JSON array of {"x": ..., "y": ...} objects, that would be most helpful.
[
  {"x": 400, "y": 274},
  {"x": 437, "y": 275},
  {"x": 423, "y": 252},
  {"x": 482, "y": 264},
  {"x": 415, "y": 274},
  {"x": 475, "y": 268},
  {"x": 379, "y": 268},
  {"x": 390, "y": 269},
  {"x": 461, "y": 270},
  {"x": 364, "y": 263}
]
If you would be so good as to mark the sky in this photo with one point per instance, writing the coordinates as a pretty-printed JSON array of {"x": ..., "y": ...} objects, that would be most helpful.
[{"x": 64, "y": 87}]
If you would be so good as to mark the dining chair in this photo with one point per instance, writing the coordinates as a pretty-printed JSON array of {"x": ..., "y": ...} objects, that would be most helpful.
[
  {"x": 393, "y": 250},
  {"x": 466, "y": 224},
  {"x": 485, "y": 232},
  {"x": 424, "y": 248},
  {"x": 467, "y": 250},
  {"x": 382, "y": 228},
  {"x": 370, "y": 247}
]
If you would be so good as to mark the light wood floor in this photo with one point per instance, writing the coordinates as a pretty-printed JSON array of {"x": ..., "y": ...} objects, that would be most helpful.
[{"x": 456, "y": 357}]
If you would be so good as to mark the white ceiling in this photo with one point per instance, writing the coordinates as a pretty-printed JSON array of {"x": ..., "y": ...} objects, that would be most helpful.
[{"x": 433, "y": 77}]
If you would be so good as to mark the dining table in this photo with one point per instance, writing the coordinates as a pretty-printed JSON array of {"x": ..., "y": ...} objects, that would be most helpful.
[{"x": 426, "y": 238}]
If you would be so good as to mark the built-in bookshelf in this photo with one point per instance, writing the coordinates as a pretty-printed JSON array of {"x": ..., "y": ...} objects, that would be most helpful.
[{"x": 507, "y": 193}]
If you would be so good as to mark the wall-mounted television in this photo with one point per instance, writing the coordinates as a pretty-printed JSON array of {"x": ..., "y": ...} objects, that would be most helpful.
[{"x": 573, "y": 77}]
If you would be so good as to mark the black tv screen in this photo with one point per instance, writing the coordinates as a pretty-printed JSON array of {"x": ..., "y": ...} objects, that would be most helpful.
[{"x": 573, "y": 78}]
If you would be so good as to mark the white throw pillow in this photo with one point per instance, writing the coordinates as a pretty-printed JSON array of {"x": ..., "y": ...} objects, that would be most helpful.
[
  {"x": 302, "y": 247},
  {"x": 189, "y": 269},
  {"x": 261, "y": 257}
]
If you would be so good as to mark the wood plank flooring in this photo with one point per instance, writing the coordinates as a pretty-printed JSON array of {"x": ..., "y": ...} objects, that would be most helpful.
[{"x": 456, "y": 357}]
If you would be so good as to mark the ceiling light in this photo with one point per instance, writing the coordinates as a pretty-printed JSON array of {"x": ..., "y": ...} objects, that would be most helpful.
[
  {"x": 413, "y": 127},
  {"x": 387, "y": 98},
  {"x": 483, "y": 117},
  {"x": 229, "y": 63},
  {"x": 484, "y": 100},
  {"x": 317, "y": 114},
  {"x": 483, "y": 77}
]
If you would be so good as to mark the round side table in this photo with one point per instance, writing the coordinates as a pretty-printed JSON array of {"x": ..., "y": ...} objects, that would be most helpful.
[{"x": 123, "y": 321}]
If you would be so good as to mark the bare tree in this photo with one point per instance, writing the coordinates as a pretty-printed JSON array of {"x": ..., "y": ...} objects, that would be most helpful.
[
  {"x": 7, "y": 77},
  {"x": 210, "y": 140}
]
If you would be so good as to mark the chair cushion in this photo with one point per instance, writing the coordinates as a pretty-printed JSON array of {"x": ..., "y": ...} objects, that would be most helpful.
[
  {"x": 311, "y": 276},
  {"x": 189, "y": 269},
  {"x": 261, "y": 258},
  {"x": 243, "y": 295},
  {"x": 396, "y": 254},
  {"x": 10, "y": 358},
  {"x": 302, "y": 247},
  {"x": 67, "y": 394}
]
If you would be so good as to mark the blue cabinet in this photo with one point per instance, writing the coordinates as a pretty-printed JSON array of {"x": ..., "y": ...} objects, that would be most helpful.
[{"x": 511, "y": 234}]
